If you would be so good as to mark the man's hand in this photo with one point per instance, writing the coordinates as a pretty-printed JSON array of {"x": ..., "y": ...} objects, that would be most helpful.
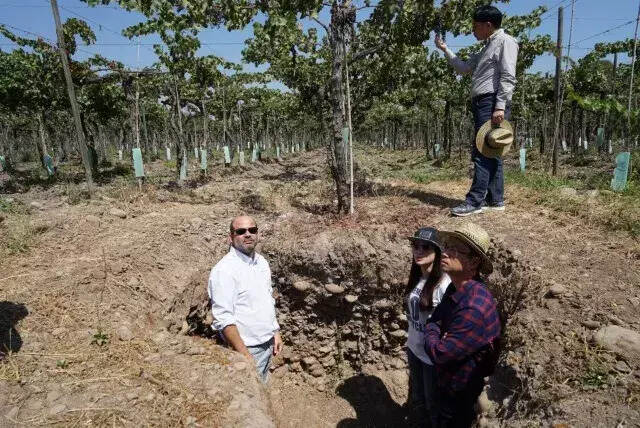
[
  {"x": 277, "y": 344},
  {"x": 440, "y": 44},
  {"x": 497, "y": 117}
]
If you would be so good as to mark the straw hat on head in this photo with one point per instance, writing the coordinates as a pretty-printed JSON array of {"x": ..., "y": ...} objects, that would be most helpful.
[
  {"x": 494, "y": 140},
  {"x": 477, "y": 238}
]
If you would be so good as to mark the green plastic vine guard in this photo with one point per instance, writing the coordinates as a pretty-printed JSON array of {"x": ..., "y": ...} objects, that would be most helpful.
[
  {"x": 183, "y": 167},
  {"x": 48, "y": 163},
  {"x": 278, "y": 152},
  {"x": 3, "y": 164},
  {"x": 203, "y": 159},
  {"x": 195, "y": 152},
  {"x": 227, "y": 156},
  {"x": 436, "y": 150},
  {"x": 241, "y": 159},
  {"x": 138, "y": 166},
  {"x": 254, "y": 154},
  {"x": 619, "y": 181},
  {"x": 523, "y": 159},
  {"x": 168, "y": 150}
]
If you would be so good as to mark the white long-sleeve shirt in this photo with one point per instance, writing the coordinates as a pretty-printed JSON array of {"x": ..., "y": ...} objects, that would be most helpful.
[
  {"x": 493, "y": 68},
  {"x": 241, "y": 294},
  {"x": 418, "y": 319}
]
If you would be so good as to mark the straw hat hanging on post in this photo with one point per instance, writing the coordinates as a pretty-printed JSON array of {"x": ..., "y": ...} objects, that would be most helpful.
[{"x": 494, "y": 140}]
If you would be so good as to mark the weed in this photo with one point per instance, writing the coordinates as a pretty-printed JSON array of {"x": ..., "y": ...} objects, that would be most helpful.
[
  {"x": 19, "y": 235},
  {"x": 100, "y": 338},
  {"x": 76, "y": 194},
  {"x": 62, "y": 364},
  {"x": 596, "y": 376},
  {"x": 11, "y": 206},
  {"x": 170, "y": 165}
]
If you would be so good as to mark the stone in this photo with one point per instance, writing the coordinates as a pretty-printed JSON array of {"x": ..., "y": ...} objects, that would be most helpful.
[
  {"x": 240, "y": 366},
  {"x": 53, "y": 395},
  {"x": 334, "y": 288},
  {"x": 568, "y": 192},
  {"x": 485, "y": 406},
  {"x": 117, "y": 212},
  {"x": 36, "y": 205},
  {"x": 615, "y": 320},
  {"x": 328, "y": 362},
  {"x": 350, "y": 298},
  {"x": 131, "y": 395},
  {"x": 323, "y": 350},
  {"x": 196, "y": 222},
  {"x": 309, "y": 361},
  {"x": 12, "y": 414},
  {"x": 57, "y": 409},
  {"x": 149, "y": 397},
  {"x": 402, "y": 317},
  {"x": 124, "y": 333},
  {"x": 190, "y": 421},
  {"x": 57, "y": 332},
  {"x": 400, "y": 334},
  {"x": 383, "y": 303},
  {"x": 296, "y": 367},
  {"x": 92, "y": 219},
  {"x": 619, "y": 340},
  {"x": 398, "y": 363},
  {"x": 590, "y": 324},
  {"x": 593, "y": 193},
  {"x": 556, "y": 290},
  {"x": 622, "y": 367},
  {"x": 301, "y": 285}
]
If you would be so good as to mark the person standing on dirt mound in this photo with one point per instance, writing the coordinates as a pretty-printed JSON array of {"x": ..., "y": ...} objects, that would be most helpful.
[
  {"x": 242, "y": 302},
  {"x": 426, "y": 286},
  {"x": 463, "y": 334},
  {"x": 493, "y": 80}
]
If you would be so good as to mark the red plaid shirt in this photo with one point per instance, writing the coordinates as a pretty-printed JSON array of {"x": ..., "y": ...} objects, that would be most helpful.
[{"x": 463, "y": 323}]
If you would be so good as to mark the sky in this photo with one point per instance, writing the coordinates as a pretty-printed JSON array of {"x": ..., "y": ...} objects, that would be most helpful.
[{"x": 594, "y": 21}]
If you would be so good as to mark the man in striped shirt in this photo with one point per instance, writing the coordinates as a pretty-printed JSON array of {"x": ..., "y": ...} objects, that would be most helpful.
[
  {"x": 493, "y": 79},
  {"x": 462, "y": 334}
]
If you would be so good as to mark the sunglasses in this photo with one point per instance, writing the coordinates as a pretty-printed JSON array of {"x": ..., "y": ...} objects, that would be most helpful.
[
  {"x": 453, "y": 247},
  {"x": 421, "y": 246},
  {"x": 242, "y": 230}
]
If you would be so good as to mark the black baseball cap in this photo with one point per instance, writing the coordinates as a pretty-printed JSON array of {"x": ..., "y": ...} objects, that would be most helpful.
[{"x": 427, "y": 234}]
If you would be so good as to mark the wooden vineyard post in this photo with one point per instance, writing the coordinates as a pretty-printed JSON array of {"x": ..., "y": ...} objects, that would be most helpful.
[
  {"x": 84, "y": 152},
  {"x": 558, "y": 96}
]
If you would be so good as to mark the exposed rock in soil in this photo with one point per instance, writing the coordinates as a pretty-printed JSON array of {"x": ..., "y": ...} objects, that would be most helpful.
[{"x": 622, "y": 341}]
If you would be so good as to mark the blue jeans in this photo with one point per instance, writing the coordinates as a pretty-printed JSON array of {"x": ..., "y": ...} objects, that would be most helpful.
[
  {"x": 488, "y": 178},
  {"x": 422, "y": 387},
  {"x": 262, "y": 355}
]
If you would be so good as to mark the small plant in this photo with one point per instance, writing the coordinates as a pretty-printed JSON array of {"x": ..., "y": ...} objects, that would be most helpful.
[
  {"x": 596, "y": 376},
  {"x": 62, "y": 364},
  {"x": 100, "y": 338}
]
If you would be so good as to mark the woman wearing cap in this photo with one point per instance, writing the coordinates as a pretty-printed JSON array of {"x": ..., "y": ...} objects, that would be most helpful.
[
  {"x": 463, "y": 333},
  {"x": 425, "y": 288}
]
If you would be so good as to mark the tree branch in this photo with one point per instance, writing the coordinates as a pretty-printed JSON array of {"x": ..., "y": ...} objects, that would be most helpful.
[
  {"x": 323, "y": 25},
  {"x": 363, "y": 53}
]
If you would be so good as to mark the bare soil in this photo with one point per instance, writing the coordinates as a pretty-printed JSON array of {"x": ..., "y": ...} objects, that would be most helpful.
[{"x": 134, "y": 279}]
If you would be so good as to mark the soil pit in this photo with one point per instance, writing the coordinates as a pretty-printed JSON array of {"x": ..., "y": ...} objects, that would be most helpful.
[{"x": 340, "y": 305}]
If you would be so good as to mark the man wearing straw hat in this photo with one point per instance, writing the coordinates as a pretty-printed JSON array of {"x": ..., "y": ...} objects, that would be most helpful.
[
  {"x": 462, "y": 336},
  {"x": 493, "y": 80}
]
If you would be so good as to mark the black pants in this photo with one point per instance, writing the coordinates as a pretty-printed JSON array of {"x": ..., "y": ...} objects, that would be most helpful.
[{"x": 458, "y": 410}]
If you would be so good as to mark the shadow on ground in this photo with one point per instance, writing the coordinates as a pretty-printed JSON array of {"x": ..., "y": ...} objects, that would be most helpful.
[
  {"x": 10, "y": 314},
  {"x": 372, "y": 402},
  {"x": 371, "y": 188}
]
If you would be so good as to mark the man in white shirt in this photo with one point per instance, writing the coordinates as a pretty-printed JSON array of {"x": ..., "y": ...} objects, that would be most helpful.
[
  {"x": 242, "y": 300},
  {"x": 493, "y": 79}
]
